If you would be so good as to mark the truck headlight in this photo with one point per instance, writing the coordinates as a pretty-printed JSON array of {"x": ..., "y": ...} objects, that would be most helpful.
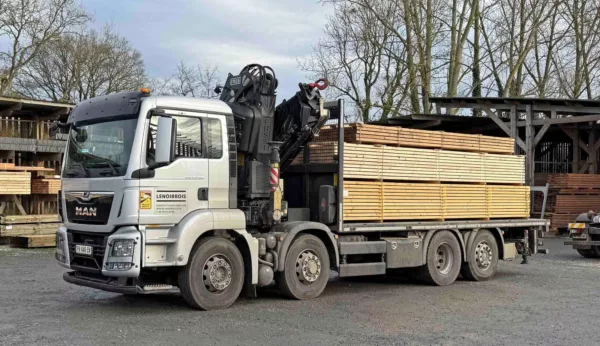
[
  {"x": 60, "y": 245},
  {"x": 122, "y": 248}
]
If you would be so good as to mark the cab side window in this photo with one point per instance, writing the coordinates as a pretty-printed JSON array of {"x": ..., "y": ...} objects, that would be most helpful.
[
  {"x": 214, "y": 140},
  {"x": 188, "y": 142}
]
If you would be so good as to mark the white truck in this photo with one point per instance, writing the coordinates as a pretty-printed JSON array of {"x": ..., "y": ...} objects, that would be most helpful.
[{"x": 172, "y": 194}]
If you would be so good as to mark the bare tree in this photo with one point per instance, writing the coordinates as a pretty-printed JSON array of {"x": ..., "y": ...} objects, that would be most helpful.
[
  {"x": 189, "y": 80},
  {"x": 361, "y": 61},
  {"x": 27, "y": 26},
  {"x": 75, "y": 67}
]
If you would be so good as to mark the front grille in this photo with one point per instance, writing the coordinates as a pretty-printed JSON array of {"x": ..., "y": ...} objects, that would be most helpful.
[
  {"x": 93, "y": 209},
  {"x": 91, "y": 263}
]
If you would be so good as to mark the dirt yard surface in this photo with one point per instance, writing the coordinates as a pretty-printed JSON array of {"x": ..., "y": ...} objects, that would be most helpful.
[{"x": 554, "y": 300}]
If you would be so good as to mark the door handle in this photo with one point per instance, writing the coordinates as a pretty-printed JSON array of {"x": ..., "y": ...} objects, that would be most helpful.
[{"x": 203, "y": 194}]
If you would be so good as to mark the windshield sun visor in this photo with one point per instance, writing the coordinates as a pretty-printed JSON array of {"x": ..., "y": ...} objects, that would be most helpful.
[{"x": 106, "y": 108}]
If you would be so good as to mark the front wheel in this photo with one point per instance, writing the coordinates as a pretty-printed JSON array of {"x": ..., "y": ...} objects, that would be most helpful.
[
  {"x": 306, "y": 269},
  {"x": 594, "y": 252},
  {"x": 214, "y": 275},
  {"x": 482, "y": 261}
]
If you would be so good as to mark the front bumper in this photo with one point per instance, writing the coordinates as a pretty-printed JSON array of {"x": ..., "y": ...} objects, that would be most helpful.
[
  {"x": 101, "y": 243},
  {"x": 108, "y": 286}
]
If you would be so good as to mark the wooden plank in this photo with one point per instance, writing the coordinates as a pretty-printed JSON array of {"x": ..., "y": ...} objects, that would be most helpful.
[{"x": 33, "y": 241}]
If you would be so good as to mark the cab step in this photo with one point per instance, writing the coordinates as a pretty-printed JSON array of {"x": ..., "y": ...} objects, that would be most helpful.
[{"x": 157, "y": 288}]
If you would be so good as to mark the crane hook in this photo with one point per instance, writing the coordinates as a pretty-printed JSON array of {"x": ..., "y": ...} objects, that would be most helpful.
[{"x": 321, "y": 84}]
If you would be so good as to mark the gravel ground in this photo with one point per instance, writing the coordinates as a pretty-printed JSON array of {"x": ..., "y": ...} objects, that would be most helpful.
[{"x": 552, "y": 301}]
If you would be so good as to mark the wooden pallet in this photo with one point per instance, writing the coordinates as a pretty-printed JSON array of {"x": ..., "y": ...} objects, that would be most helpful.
[
  {"x": 386, "y": 201},
  {"x": 15, "y": 183},
  {"x": 33, "y": 241},
  {"x": 405, "y": 137},
  {"x": 45, "y": 186},
  {"x": 362, "y": 161}
]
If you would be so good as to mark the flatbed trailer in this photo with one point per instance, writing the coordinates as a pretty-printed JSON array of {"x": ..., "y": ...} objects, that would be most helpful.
[{"x": 401, "y": 244}]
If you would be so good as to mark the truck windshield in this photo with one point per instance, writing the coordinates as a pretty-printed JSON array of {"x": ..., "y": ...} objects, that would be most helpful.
[{"x": 99, "y": 149}]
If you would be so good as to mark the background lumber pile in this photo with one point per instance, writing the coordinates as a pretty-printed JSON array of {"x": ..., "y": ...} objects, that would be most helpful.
[
  {"x": 45, "y": 186},
  {"x": 21, "y": 225},
  {"x": 15, "y": 183},
  {"x": 570, "y": 195},
  {"x": 30, "y": 161}
]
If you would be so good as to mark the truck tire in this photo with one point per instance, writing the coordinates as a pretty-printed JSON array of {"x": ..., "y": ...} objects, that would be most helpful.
[
  {"x": 306, "y": 268},
  {"x": 443, "y": 259},
  {"x": 594, "y": 252},
  {"x": 482, "y": 257},
  {"x": 214, "y": 275},
  {"x": 587, "y": 253}
]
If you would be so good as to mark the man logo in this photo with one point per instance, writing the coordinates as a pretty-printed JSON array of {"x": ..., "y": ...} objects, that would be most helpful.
[{"x": 85, "y": 211}]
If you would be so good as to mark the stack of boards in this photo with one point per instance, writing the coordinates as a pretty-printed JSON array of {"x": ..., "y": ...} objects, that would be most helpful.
[
  {"x": 47, "y": 186},
  {"x": 30, "y": 230},
  {"x": 393, "y": 173},
  {"x": 570, "y": 195}
]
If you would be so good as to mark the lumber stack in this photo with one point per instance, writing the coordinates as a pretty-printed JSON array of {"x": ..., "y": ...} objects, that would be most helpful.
[
  {"x": 15, "y": 183},
  {"x": 394, "y": 173},
  {"x": 570, "y": 195},
  {"x": 362, "y": 161},
  {"x": 406, "y": 137},
  {"x": 390, "y": 201},
  {"x": 45, "y": 186},
  {"x": 22, "y": 225}
]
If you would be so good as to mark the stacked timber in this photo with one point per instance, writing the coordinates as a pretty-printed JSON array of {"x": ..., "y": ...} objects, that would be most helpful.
[
  {"x": 386, "y": 201},
  {"x": 363, "y": 161},
  {"x": 406, "y": 137},
  {"x": 45, "y": 186},
  {"x": 15, "y": 183},
  {"x": 394, "y": 173},
  {"x": 568, "y": 196},
  {"x": 24, "y": 225}
]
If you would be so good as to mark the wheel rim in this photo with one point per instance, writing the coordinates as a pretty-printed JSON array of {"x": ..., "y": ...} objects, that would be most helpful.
[
  {"x": 217, "y": 273},
  {"x": 308, "y": 267},
  {"x": 444, "y": 258},
  {"x": 483, "y": 255}
]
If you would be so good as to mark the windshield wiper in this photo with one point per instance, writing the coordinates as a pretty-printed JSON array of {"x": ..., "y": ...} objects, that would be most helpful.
[
  {"x": 76, "y": 171},
  {"x": 111, "y": 164}
]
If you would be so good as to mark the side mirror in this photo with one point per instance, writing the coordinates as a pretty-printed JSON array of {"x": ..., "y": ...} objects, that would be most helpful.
[{"x": 166, "y": 135}]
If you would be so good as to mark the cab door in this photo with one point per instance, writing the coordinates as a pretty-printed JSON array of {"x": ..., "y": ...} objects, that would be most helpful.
[{"x": 182, "y": 186}]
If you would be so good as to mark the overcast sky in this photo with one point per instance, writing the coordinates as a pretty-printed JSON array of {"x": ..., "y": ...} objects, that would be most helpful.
[{"x": 227, "y": 33}]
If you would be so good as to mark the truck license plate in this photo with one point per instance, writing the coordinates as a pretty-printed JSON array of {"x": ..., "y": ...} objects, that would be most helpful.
[{"x": 84, "y": 250}]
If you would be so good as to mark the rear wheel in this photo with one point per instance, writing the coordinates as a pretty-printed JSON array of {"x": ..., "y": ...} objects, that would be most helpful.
[
  {"x": 306, "y": 269},
  {"x": 443, "y": 259},
  {"x": 214, "y": 275},
  {"x": 482, "y": 257}
]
